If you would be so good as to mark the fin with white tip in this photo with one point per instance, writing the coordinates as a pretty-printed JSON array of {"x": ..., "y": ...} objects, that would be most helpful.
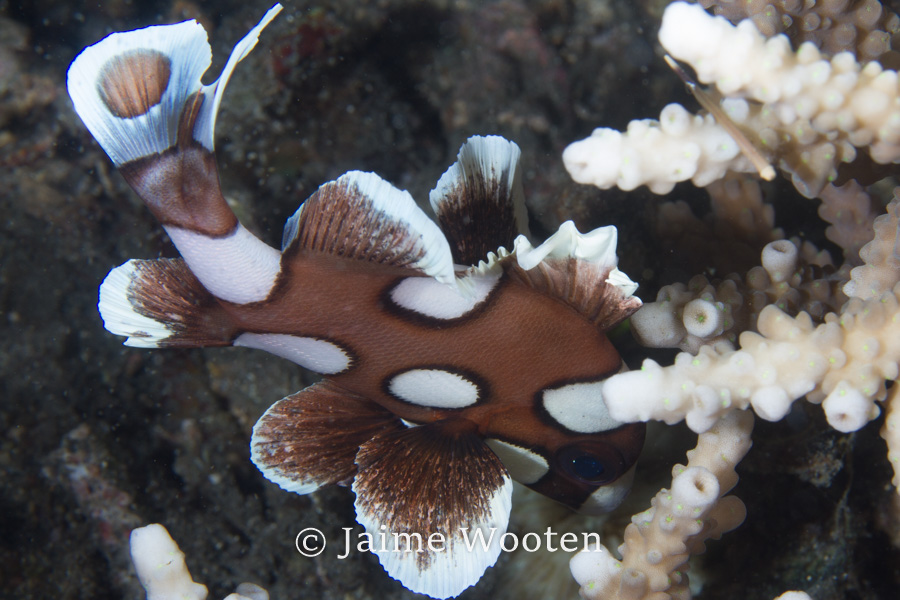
[
  {"x": 311, "y": 438},
  {"x": 579, "y": 270},
  {"x": 160, "y": 303},
  {"x": 360, "y": 216},
  {"x": 440, "y": 517},
  {"x": 140, "y": 94},
  {"x": 479, "y": 201}
]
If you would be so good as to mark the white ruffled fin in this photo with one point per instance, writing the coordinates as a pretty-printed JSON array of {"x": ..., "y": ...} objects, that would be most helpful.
[
  {"x": 311, "y": 438},
  {"x": 479, "y": 201},
  {"x": 580, "y": 270},
  {"x": 440, "y": 480},
  {"x": 160, "y": 303},
  {"x": 360, "y": 216}
]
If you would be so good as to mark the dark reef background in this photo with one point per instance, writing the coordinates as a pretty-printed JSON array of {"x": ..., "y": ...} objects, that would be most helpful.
[{"x": 97, "y": 438}]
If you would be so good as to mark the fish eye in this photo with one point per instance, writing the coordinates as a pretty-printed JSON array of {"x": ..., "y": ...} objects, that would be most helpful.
[
  {"x": 590, "y": 462},
  {"x": 588, "y": 466}
]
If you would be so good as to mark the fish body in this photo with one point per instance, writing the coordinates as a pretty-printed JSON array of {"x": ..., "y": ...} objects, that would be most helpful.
[{"x": 456, "y": 355}]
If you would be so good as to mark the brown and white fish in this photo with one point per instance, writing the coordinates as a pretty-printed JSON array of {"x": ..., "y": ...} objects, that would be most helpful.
[{"x": 456, "y": 356}]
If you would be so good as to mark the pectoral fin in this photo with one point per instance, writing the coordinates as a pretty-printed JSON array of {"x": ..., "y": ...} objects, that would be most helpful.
[{"x": 437, "y": 482}]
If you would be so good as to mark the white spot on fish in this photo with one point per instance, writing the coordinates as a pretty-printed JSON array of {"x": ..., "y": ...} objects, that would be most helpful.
[
  {"x": 434, "y": 388},
  {"x": 314, "y": 354},
  {"x": 523, "y": 465},
  {"x": 579, "y": 407}
]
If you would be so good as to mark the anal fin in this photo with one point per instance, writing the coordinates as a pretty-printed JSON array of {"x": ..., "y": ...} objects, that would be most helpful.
[{"x": 160, "y": 303}]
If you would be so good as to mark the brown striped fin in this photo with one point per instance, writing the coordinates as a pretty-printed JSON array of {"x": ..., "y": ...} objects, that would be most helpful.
[
  {"x": 579, "y": 270},
  {"x": 438, "y": 481},
  {"x": 160, "y": 303},
  {"x": 311, "y": 438},
  {"x": 360, "y": 216},
  {"x": 479, "y": 201}
]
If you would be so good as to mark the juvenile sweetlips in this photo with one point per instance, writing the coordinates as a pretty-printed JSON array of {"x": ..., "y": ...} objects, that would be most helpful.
[{"x": 457, "y": 357}]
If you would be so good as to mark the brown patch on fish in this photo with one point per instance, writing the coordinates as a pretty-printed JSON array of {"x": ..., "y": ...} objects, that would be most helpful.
[{"x": 134, "y": 82}]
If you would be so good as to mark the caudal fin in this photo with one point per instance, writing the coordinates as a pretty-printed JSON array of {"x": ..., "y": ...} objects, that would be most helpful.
[
  {"x": 139, "y": 92},
  {"x": 140, "y": 95}
]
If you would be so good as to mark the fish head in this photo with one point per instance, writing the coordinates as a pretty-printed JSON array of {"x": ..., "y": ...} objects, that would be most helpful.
[
  {"x": 593, "y": 474},
  {"x": 569, "y": 448}
]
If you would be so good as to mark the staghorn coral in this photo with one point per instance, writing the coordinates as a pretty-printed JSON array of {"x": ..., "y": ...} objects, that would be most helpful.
[
  {"x": 858, "y": 345},
  {"x": 807, "y": 113},
  {"x": 793, "y": 595},
  {"x": 690, "y": 316},
  {"x": 659, "y": 154},
  {"x": 160, "y": 567},
  {"x": 740, "y": 211},
  {"x": 863, "y": 27},
  {"x": 727, "y": 239},
  {"x": 776, "y": 334},
  {"x": 849, "y": 210},
  {"x": 881, "y": 257},
  {"x": 659, "y": 541},
  {"x": 891, "y": 432},
  {"x": 843, "y": 361}
]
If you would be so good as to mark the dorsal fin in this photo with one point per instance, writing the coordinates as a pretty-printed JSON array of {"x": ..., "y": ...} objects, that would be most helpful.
[
  {"x": 579, "y": 270},
  {"x": 361, "y": 216},
  {"x": 479, "y": 201}
]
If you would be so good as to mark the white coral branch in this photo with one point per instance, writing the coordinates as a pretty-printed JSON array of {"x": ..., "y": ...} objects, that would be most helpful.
[
  {"x": 881, "y": 256},
  {"x": 660, "y": 540},
  {"x": 161, "y": 569},
  {"x": 844, "y": 361},
  {"x": 891, "y": 432},
  {"x": 801, "y": 108}
]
